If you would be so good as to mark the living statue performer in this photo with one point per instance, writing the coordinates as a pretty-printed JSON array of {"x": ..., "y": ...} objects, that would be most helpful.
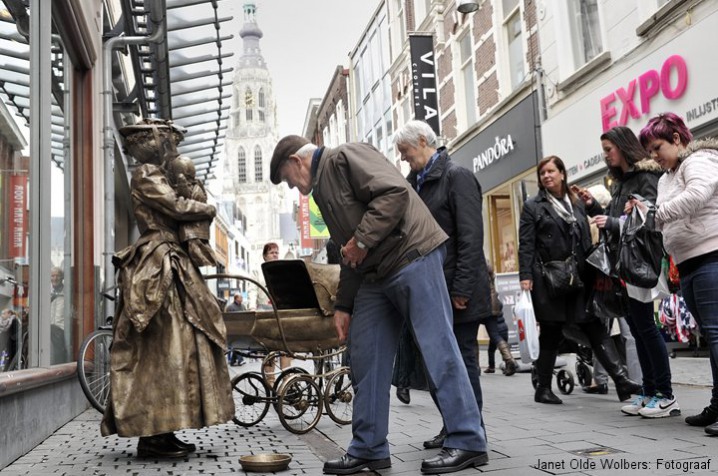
[{"x": 167, "y": 370}]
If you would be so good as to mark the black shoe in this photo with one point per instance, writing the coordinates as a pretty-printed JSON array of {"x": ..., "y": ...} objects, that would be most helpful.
[
  {"x": 159, "y": 447},
  {"x": 489, "y": 370},
  {"x": 403, "y": 395},
  {"x": 348, "y": 464},
  {"x": 172, "y": 438},
  {"x": 708, "y": 416},
  {"x": 626, "y": 387},
  {"x": 601, "y": 389},
  {"x": 450, "y": 460},
  {"x": 712, "y": 429},
  {"x": 545, "y": 395},
  {"x": 510, "y": 367},
  {"x": 437, "y": 441}
]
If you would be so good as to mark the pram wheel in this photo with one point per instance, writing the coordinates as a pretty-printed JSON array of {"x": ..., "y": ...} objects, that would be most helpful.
[
  {"x": 583, "y": 372},
  {"x": 534, "y": 376},
  {"x": 565, "y": 382}
]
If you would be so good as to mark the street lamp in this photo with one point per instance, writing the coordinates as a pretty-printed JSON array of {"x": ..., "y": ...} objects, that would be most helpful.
[{"x": 468, "y": 6}]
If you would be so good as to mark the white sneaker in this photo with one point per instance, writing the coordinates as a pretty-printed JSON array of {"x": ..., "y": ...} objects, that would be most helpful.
[
  {"x": 660, "y": 407},
  {"x": 636, "y": 405}
]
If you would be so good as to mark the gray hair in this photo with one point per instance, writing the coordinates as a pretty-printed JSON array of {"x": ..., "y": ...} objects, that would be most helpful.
[
  {"x": 306, "y": 149},
  {"x": 411, "y": 132}
]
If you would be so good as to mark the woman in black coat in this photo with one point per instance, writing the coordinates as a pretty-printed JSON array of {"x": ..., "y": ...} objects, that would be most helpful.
[
  {"x": 635, "y": 173},
  {"x": 553, "y": 226}
]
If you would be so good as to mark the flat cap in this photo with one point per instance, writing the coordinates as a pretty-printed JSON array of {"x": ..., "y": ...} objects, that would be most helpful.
[{"x": 287, "y": 146}]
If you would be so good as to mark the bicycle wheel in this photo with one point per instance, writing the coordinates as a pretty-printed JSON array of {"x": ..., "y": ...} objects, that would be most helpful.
[
  {"x": 300, "y": 404},
  {"x": 251, "y": 402},
  {"x": 93, "y": 368},
  {"x": 339, "y": 395}
]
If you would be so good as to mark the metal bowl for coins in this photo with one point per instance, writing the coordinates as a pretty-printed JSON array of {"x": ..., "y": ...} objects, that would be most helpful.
[{"x": 265, "y": 462}]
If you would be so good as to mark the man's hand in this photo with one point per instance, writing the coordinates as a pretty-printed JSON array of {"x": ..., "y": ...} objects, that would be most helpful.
[
  {"x": 527, "y": 285},
  {"x": 351, "y": 254},
  {"x": 459, "y": 302},
  {"x": 341, "y": 324}
]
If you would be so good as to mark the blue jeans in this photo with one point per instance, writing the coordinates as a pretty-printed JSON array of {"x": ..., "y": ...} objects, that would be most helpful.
[
  {"x": 651, "y": 348},
  {"x": 417, "y": 293},
  {"x": 700, "y": 290}
]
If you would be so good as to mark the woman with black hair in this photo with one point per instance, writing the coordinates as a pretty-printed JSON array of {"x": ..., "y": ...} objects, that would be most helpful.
[{"x": 633, "y": 172}]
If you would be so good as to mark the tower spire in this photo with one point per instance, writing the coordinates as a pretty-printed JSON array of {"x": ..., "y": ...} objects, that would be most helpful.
[{"x": 251, "y": 34}]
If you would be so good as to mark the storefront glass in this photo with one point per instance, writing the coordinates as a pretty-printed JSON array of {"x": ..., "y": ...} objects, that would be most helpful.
[
  {"x": 19, "y": 344},
  {"x": 503, "y": 208}
]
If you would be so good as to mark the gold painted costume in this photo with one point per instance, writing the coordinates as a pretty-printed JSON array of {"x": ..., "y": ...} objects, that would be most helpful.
[{"x": 168, "y": 370}]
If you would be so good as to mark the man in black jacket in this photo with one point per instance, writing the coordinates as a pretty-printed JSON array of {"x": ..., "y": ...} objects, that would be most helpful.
[{"x": 453, "y": 196}]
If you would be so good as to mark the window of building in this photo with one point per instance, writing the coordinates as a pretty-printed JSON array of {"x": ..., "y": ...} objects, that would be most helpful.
[
  {"x": 585, "y": 27},
  {"x": 515, "y": 41},
  {"x": 398, "y": 25},
  {"x": 38, "y": 322},
  {"x": 468, "y": 83},
  {"x": 502, "y": 212},
  {"x": 258, "y": 166},
  {"x": 421, "y": 10},
  {"x": 341, "y": 123},
  {"x": 248, "y": 103},
  {"x": 260, "y": 105},
  {"x": 241, "y": 165}
]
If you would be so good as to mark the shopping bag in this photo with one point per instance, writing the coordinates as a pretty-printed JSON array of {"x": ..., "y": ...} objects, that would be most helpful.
[
  {"x": 602, "y": 258},
  {"x": 606, "y": 300},
  {"x": 659, "y": 291},
  {"x": 526, "y": 324},
  {"x": 641, "y": 248}
]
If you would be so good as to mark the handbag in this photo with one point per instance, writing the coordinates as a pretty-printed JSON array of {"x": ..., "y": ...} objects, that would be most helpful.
[
  {"x": 641, "y": 248},
  {"x": 561, "y": 276}
]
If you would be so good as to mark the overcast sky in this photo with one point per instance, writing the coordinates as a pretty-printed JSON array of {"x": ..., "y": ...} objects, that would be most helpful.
[{"x": 304, "y": 40}]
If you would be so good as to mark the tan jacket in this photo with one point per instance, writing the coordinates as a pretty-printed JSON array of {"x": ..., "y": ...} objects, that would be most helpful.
[{"x": 361, "y": 194}]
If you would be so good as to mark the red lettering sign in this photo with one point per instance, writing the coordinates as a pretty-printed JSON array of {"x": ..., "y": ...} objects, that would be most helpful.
[
  {"x": 306, "y": 240},
  {"x": 650, "y": 84},
  {"x": 18, "y": 215}
]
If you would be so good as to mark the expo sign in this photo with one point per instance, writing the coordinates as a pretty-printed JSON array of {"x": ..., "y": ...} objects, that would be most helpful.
[{"x": 649, "y": 85}]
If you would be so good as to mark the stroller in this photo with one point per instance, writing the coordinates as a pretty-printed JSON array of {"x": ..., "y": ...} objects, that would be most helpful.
[{"x": 574, "y": 342}]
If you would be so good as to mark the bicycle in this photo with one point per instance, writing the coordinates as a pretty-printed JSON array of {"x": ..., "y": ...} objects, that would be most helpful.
[{"x": 93, "y": 364}]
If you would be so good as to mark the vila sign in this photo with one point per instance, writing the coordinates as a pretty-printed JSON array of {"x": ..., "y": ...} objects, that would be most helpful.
[{"x": 423, "y": 73}]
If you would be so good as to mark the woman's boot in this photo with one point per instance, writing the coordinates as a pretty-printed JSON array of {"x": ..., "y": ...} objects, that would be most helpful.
[
  {"x": 510, "y": 365},
  {"x": 544, "y": 369},
  {"x": 606, "y": 353}
]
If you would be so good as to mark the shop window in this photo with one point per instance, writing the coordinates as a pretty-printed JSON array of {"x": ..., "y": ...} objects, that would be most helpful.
[
  {"x": 504, "y": 234},
  {"x": 504, "y": 207},
  {"x": 23, "y": 330}
]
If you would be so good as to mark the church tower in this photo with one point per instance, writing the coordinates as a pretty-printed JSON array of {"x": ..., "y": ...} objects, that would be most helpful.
[{"x": 250, "y": 140}]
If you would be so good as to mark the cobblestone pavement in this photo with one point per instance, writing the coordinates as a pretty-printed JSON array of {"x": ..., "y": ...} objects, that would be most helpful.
[{"x": 581, "y": 437}]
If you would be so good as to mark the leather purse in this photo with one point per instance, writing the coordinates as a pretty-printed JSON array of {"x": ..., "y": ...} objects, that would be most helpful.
[{"x": 561, "y": 277}]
